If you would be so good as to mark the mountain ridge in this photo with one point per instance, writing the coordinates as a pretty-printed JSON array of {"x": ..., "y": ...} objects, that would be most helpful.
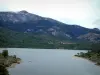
[{"x": 26, "y": 22}]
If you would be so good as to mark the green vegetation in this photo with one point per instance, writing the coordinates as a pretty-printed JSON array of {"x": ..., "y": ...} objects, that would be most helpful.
[
  {"x": 3, "y": 70},
  {"x": 6, "y": 61},
  {"x": 5, "y": 53},
  {"x": 9, "y": 38},
  {"x": 93, "y": 54}
]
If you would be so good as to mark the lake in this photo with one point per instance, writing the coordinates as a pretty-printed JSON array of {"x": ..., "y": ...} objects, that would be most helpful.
[{"x": 51, "y": 62}]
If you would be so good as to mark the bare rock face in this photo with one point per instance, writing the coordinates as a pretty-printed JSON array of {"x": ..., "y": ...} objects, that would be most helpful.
[
  {"x": 18, "y": 17},
  {"x": 93, "y": 37}
]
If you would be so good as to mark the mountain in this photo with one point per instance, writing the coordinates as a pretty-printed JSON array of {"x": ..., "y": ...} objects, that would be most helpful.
[
  {"x": 93, "y": 37},
  {"x": 14, "y": 39},
  {"x": 28, "y": 23}
]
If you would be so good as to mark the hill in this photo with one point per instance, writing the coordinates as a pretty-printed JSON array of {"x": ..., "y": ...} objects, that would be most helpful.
[{"x": 24, "y": 29}]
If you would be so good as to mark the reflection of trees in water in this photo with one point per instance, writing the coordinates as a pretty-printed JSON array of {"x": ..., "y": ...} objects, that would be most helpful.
[{"x": 3, "y": 70}]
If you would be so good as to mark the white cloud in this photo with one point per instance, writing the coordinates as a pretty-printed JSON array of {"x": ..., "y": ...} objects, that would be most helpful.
[{"x": 82, "y": 12}]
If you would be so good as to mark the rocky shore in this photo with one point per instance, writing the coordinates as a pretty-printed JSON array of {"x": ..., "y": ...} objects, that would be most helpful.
[{"x": 6, "y": 60}]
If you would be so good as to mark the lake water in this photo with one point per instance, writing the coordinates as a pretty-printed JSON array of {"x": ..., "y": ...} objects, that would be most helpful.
[{"x": 51, "y": 62}]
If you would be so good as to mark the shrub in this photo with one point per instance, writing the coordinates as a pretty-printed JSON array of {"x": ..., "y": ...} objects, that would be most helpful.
[{"x": 5, "y": 53}]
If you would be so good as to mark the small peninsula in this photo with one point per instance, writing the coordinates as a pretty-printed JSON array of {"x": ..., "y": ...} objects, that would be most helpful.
[
  {"x": 92, "y": 55},
  {"x": 6, "y": 60}
]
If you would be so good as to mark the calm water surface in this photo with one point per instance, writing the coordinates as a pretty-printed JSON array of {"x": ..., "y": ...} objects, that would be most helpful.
[{"x": 51, "y": 62}]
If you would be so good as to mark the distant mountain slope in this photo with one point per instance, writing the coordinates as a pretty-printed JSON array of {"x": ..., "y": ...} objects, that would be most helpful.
[
  {"x": 93, "y": 37},
  {"x": 13, "y": 39},
  {"x": 30, "y": 23}
]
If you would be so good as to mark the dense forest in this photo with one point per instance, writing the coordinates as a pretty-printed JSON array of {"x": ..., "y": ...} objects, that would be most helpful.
[{"x": 10, "y": 38}]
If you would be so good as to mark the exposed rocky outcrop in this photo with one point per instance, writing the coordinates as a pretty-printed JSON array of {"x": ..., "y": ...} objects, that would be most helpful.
[{"x": 93, "y": 37}]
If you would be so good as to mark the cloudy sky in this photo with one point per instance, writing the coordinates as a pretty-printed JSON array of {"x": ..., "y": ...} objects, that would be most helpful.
[{"x": 82, "y": 12}]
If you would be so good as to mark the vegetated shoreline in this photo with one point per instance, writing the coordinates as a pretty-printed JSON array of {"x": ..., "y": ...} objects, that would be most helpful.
[
  {"x": 41, "y": 48},
  {"x": 84, "y": 59},
  {"x": 6, "y": 61},
  {"x": 90, "y": 56}
]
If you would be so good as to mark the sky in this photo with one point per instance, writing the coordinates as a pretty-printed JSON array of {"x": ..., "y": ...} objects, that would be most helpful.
[{"x": 85, "y": 13}]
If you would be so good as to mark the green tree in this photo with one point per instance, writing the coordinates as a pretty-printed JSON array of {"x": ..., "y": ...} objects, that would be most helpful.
[
  {"x": 14, "y": 56},
  {"x": 95, "y": 47},
  {"x": 5, "y": 53}
]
